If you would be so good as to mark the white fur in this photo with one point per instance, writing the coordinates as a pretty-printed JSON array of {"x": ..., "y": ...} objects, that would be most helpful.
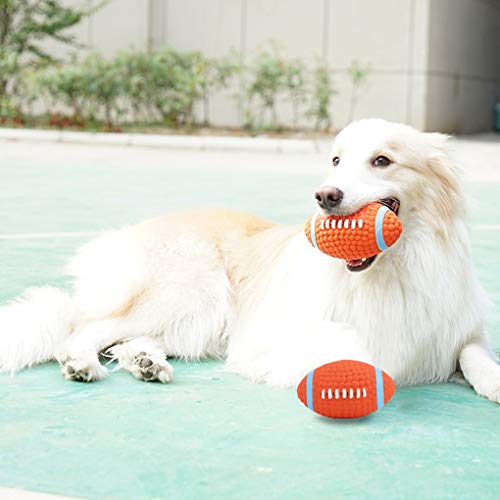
[
  {"x": 175, "y": 293},
  {"x": 144, "y": 358},
  {"x": 277, "y": 310},
  {"x": 32, "y": 326},
  {"x": 111, "y": 264}
]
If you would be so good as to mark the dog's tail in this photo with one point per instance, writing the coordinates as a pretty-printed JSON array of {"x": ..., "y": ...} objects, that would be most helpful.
[{"x": 33, "y": 326}]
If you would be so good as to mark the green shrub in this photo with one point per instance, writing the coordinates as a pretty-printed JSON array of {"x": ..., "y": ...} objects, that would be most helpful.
[
  {"x": 321, "y": 96},
  {"x": 166, "y": 86},
  {"x": 25, "y": 25},
  {"x": 18, "y": 90},
  {"x": 167, "y": 83},
  {"x": 67, "y": 85},
  {"x": 90, "y": 90},
  {"x": 104, "y": 87},
  {"x": 296, "y": 87},
  {"x": 136, "y": 70},
  {"x": 163, "y": 85},
  {"x": 269, "y": 78},
  {"x": 216, "y": 75},
  {"x": 266, "y": 81},
  {"x": 9, "y": 80}
]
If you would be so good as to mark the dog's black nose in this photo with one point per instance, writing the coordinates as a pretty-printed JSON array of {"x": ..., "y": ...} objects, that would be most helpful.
[{"x": 328, "y": 197}]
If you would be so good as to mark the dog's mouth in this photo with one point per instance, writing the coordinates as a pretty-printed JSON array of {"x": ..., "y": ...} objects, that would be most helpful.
[{"x": 357, "y": 265}]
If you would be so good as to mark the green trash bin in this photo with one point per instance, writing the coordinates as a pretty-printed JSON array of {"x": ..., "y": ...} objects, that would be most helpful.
[{"x": 496, "y": 124}]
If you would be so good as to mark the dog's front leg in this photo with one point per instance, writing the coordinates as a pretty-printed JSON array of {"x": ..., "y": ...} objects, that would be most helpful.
[
  {"x": 480, "y": 369},
  {"x": 301, "y": 350}
]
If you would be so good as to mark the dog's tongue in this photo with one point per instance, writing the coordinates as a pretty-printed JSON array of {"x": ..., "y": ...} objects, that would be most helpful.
[{"x": 354, "y": 263}]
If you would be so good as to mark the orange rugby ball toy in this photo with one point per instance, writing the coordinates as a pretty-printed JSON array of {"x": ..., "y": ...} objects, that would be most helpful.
[
  {"x": 346, "y": 389},
  {"x": 363, "y": 234}
]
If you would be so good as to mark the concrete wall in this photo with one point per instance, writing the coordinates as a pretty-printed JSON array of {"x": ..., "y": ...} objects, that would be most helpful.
[
  {"x": 463, "y": 73},
  {"x": 334, "y": 31},
  {"x": 433, "y": 63}
]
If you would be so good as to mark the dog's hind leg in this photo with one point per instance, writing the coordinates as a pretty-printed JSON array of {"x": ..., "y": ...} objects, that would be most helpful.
[{"x": 144, "y": 358}]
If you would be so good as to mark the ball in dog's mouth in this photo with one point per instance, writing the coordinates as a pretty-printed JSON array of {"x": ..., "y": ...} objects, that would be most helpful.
[{"x": 357, "y": 265}]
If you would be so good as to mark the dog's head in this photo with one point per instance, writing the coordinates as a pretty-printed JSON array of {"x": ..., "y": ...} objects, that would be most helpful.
[{"x": 409, "y": 171}]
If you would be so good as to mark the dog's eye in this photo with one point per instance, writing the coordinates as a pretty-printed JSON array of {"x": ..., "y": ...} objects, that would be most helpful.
[
  {"x": 381, "y": 161},
  {"x": 335, "y": 161}
]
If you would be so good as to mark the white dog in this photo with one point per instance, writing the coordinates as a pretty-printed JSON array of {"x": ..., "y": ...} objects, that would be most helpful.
[{"x": 220, "y": 283}]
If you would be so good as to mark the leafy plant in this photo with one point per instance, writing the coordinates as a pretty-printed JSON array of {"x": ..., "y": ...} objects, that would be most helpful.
[
  {"x": 67, "y": 85},
  {"x": 103, "y": 80},
  {"x": 167, "y": 83},
  {"x": 136, "y": 69},
  {"x": 162, "y": 85},
  {"x": 268, "y": 79},
  {"x": 321, "y": 96},
  {"x": 358, "y": 74},
  {"x": 179, "y": 85},
  {"x": 18, "y": 90},
  {"x": 25, "y": 25},
  {"x": 216, "y": 75},
  {"x": 9, "y": 69},
  {"x": 166, "y": 86},
  {"x": 296, "y": 87}
]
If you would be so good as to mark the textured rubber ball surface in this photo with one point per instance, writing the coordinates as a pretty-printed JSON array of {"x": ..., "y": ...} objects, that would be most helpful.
[
  {"x": 346, "y": 389},
  {"x": 363, "y": 234}
]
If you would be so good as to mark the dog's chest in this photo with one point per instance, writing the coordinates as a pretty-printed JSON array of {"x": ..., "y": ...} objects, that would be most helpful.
[{"x": 405, "y": 331}]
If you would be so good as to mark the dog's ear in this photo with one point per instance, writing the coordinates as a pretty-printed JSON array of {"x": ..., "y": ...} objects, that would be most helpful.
[{"x": 445, "y": 176}]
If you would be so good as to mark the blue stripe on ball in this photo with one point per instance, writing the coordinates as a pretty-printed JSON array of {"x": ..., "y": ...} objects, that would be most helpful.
[
  {"x": 309, "y": 390},
  {"x": 380, "y": 388},
  {"x": 379, "y": 225}
]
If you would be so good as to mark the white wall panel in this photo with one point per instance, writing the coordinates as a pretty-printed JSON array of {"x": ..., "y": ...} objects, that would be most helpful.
[
  {"x": 374, "y": 32},
  {"x": 211, "y": 26},
  {"x": 120, "y": 25},
  {"x": 435, "y": 63},
  {"x": 296, "y": 25}
]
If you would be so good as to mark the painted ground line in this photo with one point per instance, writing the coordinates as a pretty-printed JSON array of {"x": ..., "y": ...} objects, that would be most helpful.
[
  {"x": 487, "y": 227},
  {"x": 84, "y": 234},
  {"x": 41, "y": 236}
]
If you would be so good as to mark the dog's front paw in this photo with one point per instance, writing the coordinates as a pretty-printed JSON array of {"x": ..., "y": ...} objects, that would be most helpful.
[
  {"x": 85, "y": 368},
  {"x": 149, "y": 368},
  {"x": 489, "y": 389},
  {"x": 494, "y": 393}
]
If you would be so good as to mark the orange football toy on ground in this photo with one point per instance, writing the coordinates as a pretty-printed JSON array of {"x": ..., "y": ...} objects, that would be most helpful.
[
  {"x": 361, "y": 235},
  {"x": 346, "y": 389}
]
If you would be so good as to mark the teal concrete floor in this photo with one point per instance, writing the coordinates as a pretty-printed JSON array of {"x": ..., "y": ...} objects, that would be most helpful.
[{"x": 210, "y": 434}]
